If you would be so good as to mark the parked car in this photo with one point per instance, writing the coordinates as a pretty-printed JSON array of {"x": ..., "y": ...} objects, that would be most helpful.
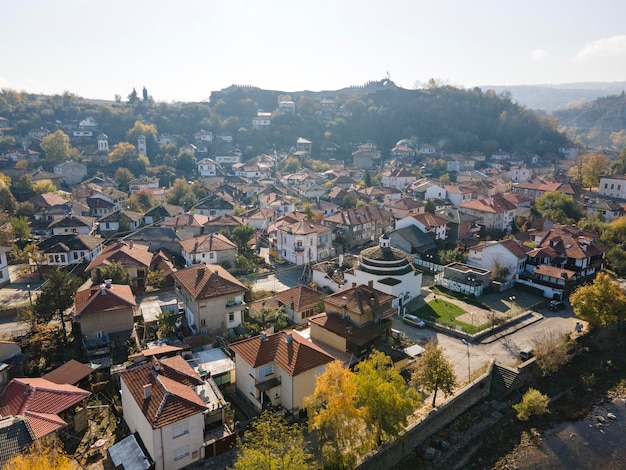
[
  {"x": 413, "y": 320},
  {"x": 556, "y": 305},
  {"x": 526, "y": 354}
]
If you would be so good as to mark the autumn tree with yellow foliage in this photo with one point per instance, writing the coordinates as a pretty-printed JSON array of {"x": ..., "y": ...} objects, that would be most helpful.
[
  {"x": 601, "y": 303},
  {"x": 43, "y": 455}
]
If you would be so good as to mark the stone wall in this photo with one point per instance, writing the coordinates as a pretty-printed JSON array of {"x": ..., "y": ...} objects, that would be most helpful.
[{"x": 392, "y": 454}]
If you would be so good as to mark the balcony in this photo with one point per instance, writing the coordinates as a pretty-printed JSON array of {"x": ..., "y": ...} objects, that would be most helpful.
[{"x": 232, "y": 303}]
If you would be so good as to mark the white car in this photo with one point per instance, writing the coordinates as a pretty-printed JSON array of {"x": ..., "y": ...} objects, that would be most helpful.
[{"x": 413, "y": 320}]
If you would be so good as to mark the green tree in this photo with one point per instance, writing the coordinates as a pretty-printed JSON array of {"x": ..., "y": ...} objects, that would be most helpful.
[
  {"x": 179, "y": 189},
  {"x": 382, "y": 390},
  {"x": 21, "y": 228},
  {"x": 618, "y": 166},
  {"x": 133, "y": 98},
  {"x": 122, "y": 150},
  {"x": 57, "y": 148},
  {"x": 186, "y": 163},
  {"x": 533, "y": 403},
  {"x": 290, "y": 164},
  {"x": 601, "y": 303},
  {"x": 270, "y": 443},
  {"x": 433, "y": 372},
  {"x": 430, "y": 206},
  {"x": 349, "y": 201},
  {"x": 308, "y": 210},
  {"x": 166, "y": 323},
  {"x": 367, "y": 179},
  {"x": 123, "y": 176},
  {"x": 7, "y": 201},
  {"x": 340, "y": 424},
  {"x": 44, "y": 186},
  {"x": 22, "y": 188},
  {"x": 114, "y": 271},
  {"x": 57, "y": 295},
  {"x": 558, "y": 207},
  {"x": 241, "y": 235}
]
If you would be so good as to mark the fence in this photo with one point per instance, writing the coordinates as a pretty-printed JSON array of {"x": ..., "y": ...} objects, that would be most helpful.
[{"x": 428, "y": 265}]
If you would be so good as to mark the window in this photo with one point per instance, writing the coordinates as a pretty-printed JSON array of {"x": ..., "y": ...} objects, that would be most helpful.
[
  {"x": 181, "y": 453},
  {"x": 606, "y": 186},
  {"x": 180, "y": 429},
  {"x": 211, "y": 255},
  {"x": 231, "y": 316},
  {"x": 266, "y": 370},
  {"x": 251, "y": 372},
  {"x": 203, "y": 322}
]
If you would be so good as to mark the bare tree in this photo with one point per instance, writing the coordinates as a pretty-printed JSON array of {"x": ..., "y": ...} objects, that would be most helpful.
[{"x": 550, "y": 348}]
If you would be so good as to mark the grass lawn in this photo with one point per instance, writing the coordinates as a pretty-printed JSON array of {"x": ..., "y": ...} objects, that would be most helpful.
[{"x": 445, "y": 313}]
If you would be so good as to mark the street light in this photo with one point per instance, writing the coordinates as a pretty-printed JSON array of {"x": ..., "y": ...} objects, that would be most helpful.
[
  {"x": 469, "y": 373},
  {"x": 30, "y": 298},
  {"x": 512, "y": 300}
]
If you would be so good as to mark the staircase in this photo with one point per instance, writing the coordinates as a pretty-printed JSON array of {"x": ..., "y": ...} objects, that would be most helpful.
[{"x": 502, "y": 380}]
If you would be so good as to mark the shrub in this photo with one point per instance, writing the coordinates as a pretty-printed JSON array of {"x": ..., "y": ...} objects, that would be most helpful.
[{"x": 533, "y": 403}]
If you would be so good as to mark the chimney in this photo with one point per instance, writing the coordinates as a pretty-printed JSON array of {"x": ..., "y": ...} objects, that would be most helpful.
[
  {"x": 103, "y": 289},
  {"x": 340, "y": 262},
  {"x": 108, "y": 283},
  {"x": 289, "y": 338},
  {"x": 370, "y": 283},
  {"x": 354, "y": 284},
  {"x": 147, "y": 391},
  {"x": 263, "y": 337}
]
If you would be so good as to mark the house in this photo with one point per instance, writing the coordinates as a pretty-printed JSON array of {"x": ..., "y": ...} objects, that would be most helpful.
[
  {"x": 65, "y": 250},
  {"x": 380, "y": 194},
  {"x": 533, "y": 189},
  {"x": 304, "y": 145},
  {"x": 121, "y": 220},
  {"x": 228, "y": 222},
  {"x": 405, "y": 207},
  {"x": 43, "y": 203},
  {"x": 464, "y": 278},
  {"x": 345, "y": 182},
  {"x": 203, "y": 136},
  {"x": 563, "y": 258},
  {"x": 278, "y": 369},
  {"x": 192, "y": 223},
  {"x": 426, "y": 189},
  {"x": 258, "y": 218},
  {"x": 71, "y": 173},
  {"x": 286, "y": 107},
  {"x": 461, "y": 227},
  {"x": 494, "y": 212},
  {"x": 214, "y": 206},
  {"x": 262, "y": 119},
  {"x": 104, "y": 311},
  {"x": 108, "y": 194},
  {"x": 303, "y": 242},
  {"x": 276, "y": 202},
  {"x": 359, "y": 226},
  {"x": 388, "y": 270},
  {"x": 178, "y": 415},
  {"x": 354, "y": 320},
  {"x": 73, "y": 224},
  {"x": 161, "y": 212},
  {"x": 397, "y": 178},
  {"x": 505, "y": 259},
  {"x": 212, "y": 248},
  {"x": 145, "y": 182},
  {"x": 613, "y": 186},
  {"x": 207, "y": 167},
  {"x": 366, "y": 156},
  {"x": 428, "y": 223},
  {"x": 519, "y": 174},
  {"x": 212, "y": 298},
  {"x": 134, "y": 258},
  {"x": 158, "y": 238},
  {"x": 608, "y": 209},
  {"x": 228, "y": 159},
  {"x": 411, "y": 240},
  {"x": 458, "y": 194},
  {"x": 48, "y": 407},
  {"x": 299, "y": 303},
  {"x": 71, "y": 373}
]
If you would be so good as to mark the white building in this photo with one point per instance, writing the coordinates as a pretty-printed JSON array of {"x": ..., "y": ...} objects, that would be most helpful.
[
  {"x": 207, "y": 167},
  {"x": 388, "y": 270},
  {"x": 4, "y": 266},
  {"x": 303, "y": 242},
  {"x": 613, "y": 186}
]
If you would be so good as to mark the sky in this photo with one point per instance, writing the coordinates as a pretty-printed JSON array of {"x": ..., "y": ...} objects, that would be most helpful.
[{"x": 181, "y": 51}]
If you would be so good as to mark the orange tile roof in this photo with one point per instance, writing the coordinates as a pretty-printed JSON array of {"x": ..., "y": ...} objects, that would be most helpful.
[
  {"x": 203, "y": 281},
  {"x": 186, "y": 220},
  {"x": 100, "y": 299},
  {"x": 344, "y": 328},
  {"x": 303, "y": 297},
  {"x": 288, "y": 349}
]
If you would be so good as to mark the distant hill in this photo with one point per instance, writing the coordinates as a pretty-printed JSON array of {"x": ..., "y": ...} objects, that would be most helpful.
[
  {"x": 599, "y": 123},
  {"x": 560, "y": 96}
]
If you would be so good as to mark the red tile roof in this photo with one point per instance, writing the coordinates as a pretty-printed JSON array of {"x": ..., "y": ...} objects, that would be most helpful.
[
  {"x": 100, "y": 299},
  {"x": 494, "y": 204},
  {"x": 170, "y": 400},
  {"x": 186, "y": 220},
  {"x": 128, "y": 254},
  {"x": 203, "y": 281},
  {"x": 287, "y": 349},
  {"x": 40, "y": 399},
  {"x": 361, "y": 336}
]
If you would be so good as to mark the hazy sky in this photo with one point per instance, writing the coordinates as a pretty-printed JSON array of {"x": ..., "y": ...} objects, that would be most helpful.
[{"x": 182, "y": 50}]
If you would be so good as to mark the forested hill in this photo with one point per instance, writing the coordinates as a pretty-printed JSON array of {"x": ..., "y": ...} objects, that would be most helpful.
[
  {"x": 452, "y": 119},
  {"x": 600, "y": 123}
]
